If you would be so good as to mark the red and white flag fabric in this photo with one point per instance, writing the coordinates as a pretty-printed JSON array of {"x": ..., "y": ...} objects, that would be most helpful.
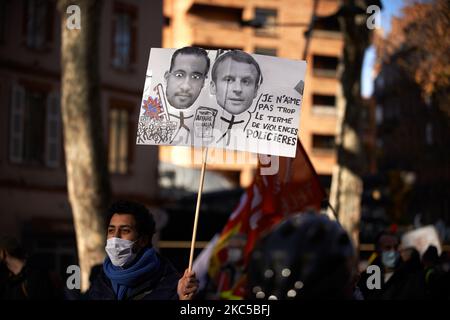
[{"x": 270, "y": 198}]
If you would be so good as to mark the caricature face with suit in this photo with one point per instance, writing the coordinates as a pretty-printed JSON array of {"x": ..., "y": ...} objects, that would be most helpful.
[
  {"x": 235, "y": 81},
  {"x": 236, "y": 78},
  {"x": 185, "y": 79}
]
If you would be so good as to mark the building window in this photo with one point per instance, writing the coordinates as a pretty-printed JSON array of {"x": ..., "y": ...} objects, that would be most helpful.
[
  {"x": 53, "y": 131},
  {"x": 429, "y": 134},
  {"x": 267, "y": 18},
  {"x": 38, "y": 23},
  {"x": 325, "y": 66},
  {"x": 166, "y": 21},
  {"x": 330, "y": 24},
  {"x": 205, "y": 13},
  {"x": 35, "y": 127},
  {"x": 379, "y": 84},
  {"x": 325, "y": 181},
  {"x": 124, "y": 36},
  {"x": 322, "y": 142},
  {"x": 3, "y": 8},
  {"x": 52, "y": 243},
  {"x": 379, "y": 114},
  {"x": 324, "y": 104},
  {"x": 324, "y": 100},
  {"x": 266, "y": 51},
  {"x": 118, "y": 140}
]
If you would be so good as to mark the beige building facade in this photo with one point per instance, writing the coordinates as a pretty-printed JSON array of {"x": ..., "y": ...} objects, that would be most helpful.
[
  {"x": 219, "y": 24},
  {"x": 33, "y": 188}
]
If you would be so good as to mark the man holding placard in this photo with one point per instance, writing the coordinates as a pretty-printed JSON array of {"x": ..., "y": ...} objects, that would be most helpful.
[{"x": 133, "y": 269}]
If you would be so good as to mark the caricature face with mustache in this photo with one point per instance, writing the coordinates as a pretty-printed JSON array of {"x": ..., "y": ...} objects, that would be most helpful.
[{"x": 185, "y": 80}]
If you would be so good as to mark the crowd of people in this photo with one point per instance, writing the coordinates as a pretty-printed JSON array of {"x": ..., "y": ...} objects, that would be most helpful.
[
  {"x": 306, "y": 256},
  {"x": 132, "y": 269}
]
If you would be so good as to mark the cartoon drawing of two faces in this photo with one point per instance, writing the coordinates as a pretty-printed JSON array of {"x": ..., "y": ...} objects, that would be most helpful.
[{"x": 236, "y": 77}]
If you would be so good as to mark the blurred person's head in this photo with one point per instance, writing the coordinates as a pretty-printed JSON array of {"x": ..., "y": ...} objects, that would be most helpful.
[
  {"x": 406, "y": 254},
  {"x": 12, "y": 254},
  {"x": 130, "y": 228},
  {"x": 444, "y": 261},
  {"x": 387, "y": 247},
  {"x": 185, "y": 79},
  {"x": 307, "y": 256},
  {"x": 9, "y": 246},
  {"x": 430, "y": 256},
  {"x": 409, "y": 257},
  {"x": 236, "y": 78}
]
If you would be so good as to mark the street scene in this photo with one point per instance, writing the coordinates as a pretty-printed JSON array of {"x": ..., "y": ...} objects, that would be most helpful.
[{"x": 225, "y": 150}]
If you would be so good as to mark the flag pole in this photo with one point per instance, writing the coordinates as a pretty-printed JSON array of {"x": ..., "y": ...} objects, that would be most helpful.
[
  {"x": 197, "y": 209},
  {"x": 334, "y": 215}
]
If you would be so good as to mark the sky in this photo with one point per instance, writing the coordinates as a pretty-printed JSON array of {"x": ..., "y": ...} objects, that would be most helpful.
[{"x": 390, "y": 8}]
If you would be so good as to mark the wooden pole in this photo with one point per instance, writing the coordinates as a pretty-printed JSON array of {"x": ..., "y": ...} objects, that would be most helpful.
[{"x": 197, "y": 209}]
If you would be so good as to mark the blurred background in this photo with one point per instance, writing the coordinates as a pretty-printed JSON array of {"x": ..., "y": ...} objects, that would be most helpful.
[{"x": 403, "y": 114}]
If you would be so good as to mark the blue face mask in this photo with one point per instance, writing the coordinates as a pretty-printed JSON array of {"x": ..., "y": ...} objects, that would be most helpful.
[{"x": 389, "y": 258}]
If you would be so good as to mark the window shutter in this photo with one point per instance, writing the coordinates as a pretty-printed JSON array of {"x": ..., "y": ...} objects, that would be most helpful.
[
  {"x": 53, "y": 130},
  {"x": 16, "y": 124},
  {"x": 133, "y": 42},
  {"x": 113, "y": 40}
]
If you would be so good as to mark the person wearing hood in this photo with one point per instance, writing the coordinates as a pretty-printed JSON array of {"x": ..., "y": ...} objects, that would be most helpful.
[{"x": 400, "y": 271}]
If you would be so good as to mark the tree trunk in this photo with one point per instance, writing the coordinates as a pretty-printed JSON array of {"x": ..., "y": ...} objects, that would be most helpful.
[
  {"x": 347, "y": 186},
  {"x": 86, "y": 166}
]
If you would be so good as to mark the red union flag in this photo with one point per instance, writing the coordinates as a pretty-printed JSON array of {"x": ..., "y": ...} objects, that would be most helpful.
[{"x": 266, "y": 202}]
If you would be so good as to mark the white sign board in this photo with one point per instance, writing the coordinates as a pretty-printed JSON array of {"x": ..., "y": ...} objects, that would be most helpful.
[
  {"x": 222, "y": 99},
  {"x": 421, "y": 238}
]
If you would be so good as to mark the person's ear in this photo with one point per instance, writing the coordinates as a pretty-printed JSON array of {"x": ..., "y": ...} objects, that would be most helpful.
[
  {"x": 166, "y": 76},
  {"x": 212, "y": 88},
  {"x": 144, "y": 241},
  {"x": 204, "y": 80}
]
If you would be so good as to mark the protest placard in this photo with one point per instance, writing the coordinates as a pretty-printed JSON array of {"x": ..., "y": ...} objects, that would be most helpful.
[
  {"x": 222, "y": 99},
  {"x": 421, "y": 239}
]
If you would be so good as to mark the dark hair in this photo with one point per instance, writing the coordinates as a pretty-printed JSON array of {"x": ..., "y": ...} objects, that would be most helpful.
[
  {"x": 388, "y": 233},
  {"x": 305, "y": 256},
  {"x": 145, "y": 224},
  {"x": 12, "y": 247},
  {"x": 431, "y": 255},
  {"x": 238, "y": 56},
  {"x": 193, "y": 51}
]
